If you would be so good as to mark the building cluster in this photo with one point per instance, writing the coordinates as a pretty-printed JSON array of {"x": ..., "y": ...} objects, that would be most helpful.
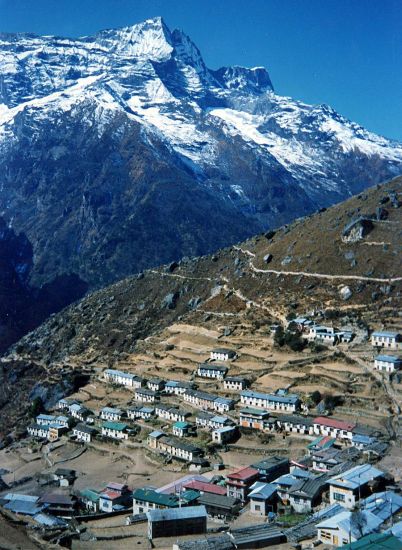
[
  {"x": 342, "y": 496},
  {"x": 344, "y": 503}
]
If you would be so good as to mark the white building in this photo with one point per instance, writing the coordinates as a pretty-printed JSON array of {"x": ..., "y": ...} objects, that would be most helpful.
[
  {"x": 390, "y": 340},
  {"x": 178, "y": 387},
  {"x": 84, "y": 433},
  {"x": 145, "y": 413},
  {"x": 122, "y": 378},
  {"x": 156, "y": 384},
  {"x": 224, "y": 435},
  {"x": 36, "y": 430},
  {"x": 341, "y": 530},
  {"x": 210, "y": 370},
  {"x": 350, "y": 486},
  {"x": 222, "y": 354},
  {"x": 81, "y": 413},
  {"x": 387, "y": 363},
  {"x": 145, "y": 395},
  {"x": 235, "y": 383},
  {"x": 334, "y": 428},
  {"x": 115, "y": 430},
  {"x": 109, "y": 413},
  {"x": 172, "y": 414},
  {"x": 288, "y": 403}
]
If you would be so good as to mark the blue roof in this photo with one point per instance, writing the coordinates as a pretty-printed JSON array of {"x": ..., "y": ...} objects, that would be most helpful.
[
  {"x": 383, "y": 505},
  {"x": 388, "y": 358},
  {"x": 156, "y": 433},
  {"x": 111, "y": 410},
  {"x": 262, "y": 490},
  {"x": 18, "y": 496},
  {"x": 48, "y": 417},
  {"x": 120, "y": 373},
  {"x": 386, "y": 334},
  {"x": 173, "y": 514},
  {"x": 343, "y": 521},
  {"x": 357, "y": 476},
  {"x": 220, "y": 419},
  {"x": 363, "y": 439},
  {"x": 50, "y": 521},
  {"x": 291, "y": 398},
  {"x": 225, "y": 429},
  {"x": 223, "y": 400},
  {"x": 23, "y": 507}
]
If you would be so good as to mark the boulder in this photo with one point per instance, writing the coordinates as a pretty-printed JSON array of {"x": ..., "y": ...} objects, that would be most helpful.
[
  {"x": 269, "y": 234},
  {"x": 357, "y": 229},
  {"x": 170, "y": 300},
  {"x": 194, "y": 302},
  {"x": 268, "y": 258},
  {"x": 381, "y": 213},
  {"x": 345, "y": 292},
  {"x": 171, "y": 267}
]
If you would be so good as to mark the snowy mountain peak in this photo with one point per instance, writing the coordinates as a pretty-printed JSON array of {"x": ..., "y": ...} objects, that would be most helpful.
[
  {"x": 255, "y": 80},
  {"x": 150, "y": 39}
]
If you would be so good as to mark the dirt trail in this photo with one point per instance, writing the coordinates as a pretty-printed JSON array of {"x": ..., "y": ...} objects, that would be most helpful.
[{"x": 317, "y": 275}]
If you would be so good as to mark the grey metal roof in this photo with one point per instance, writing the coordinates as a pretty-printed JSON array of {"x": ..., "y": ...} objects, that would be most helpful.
[
  {"x": 212, "y": 366},
  {"x": 111, "y": 410},
  {"x": 255, "y": 533},
  {"x": 271, "y": 462},
  {"x": 307, "y": 528},
  {"x": 296, "y": 419},
  {"x": 221, "y": 501},
  {"x": 217, "y": 542},
  {"x": 309, "y": 488},
  {"x": 175, "y": 514}
]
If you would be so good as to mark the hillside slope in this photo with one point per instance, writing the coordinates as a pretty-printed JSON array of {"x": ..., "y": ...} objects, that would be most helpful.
[
  {"x": 310, "y": 267},
  {"x": 122, "y": 151}
]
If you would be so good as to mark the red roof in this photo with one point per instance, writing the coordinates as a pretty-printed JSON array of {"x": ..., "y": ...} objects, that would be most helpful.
[
  {"x": 205, "y": 487},
  {"x": 333, "y": 423},
  {"x": 244, "y": 474}
]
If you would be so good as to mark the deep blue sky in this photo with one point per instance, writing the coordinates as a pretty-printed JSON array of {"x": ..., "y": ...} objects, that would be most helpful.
[{"x": 347, "y": 53}]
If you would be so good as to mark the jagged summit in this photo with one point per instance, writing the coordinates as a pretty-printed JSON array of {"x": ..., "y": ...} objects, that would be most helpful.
[
  {"x": 151, "y": 40},
  {"x": 124, "y": 150},
  {"x": 254, "y": 79}
]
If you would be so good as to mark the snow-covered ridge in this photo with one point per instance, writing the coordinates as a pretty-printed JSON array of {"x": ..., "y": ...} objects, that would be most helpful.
[{"x": 157, "y": 78}]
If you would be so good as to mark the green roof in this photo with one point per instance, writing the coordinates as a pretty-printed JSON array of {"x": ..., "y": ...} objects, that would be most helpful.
[
  {"x": 190, "y": 494},
  {"x": 118, "y": 426},
  {"x": 375, "y": 541},
  {"x": 182, "y": 425},
  {"x": 90, "y": 494},
  {"x": 162, "y": 499},
  {"x": 149, "y": 495}
]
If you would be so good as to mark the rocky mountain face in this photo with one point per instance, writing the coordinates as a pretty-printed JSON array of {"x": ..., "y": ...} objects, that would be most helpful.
[
  {"x": 22, "y": 306},
  {"x": 123, "y": 150},
  {"x": 311, "y": 264}
]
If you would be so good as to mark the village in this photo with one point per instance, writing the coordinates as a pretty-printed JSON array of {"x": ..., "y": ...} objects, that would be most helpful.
[{"x": 209, "y": 459}]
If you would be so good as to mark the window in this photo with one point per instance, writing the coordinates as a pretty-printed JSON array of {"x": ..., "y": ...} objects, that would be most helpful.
[
  {"x": 325, "y": 535},
  {"x": 339, "y": 496},
  {"x": 257, "y": 507}
]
